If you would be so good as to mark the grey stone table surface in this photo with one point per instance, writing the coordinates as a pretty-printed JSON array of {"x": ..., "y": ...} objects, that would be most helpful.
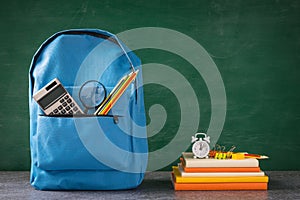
[{"x": 156, "y": 185}]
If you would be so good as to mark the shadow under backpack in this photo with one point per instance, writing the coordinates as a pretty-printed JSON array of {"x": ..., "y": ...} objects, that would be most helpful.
[{"x": 89, "y": 152}]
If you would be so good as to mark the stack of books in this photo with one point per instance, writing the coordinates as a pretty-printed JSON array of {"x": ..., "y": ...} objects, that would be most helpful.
[{"x": 218, "y": 174}]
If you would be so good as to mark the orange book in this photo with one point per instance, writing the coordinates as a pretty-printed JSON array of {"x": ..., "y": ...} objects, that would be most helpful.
[{"x": 219, "y": 186}]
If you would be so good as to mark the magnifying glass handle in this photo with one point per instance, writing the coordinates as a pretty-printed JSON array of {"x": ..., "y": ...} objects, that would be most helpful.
[{"x": 85, "y": 110}]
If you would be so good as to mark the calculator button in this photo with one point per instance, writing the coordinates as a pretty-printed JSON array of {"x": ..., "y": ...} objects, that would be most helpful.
[
  {"x": 66, "y": 97},
  {"x": 60, "y": 107},
  {"x": 61, "y": 101},
  {"x": 72, "y": 104},
  {"x": 69, "y": 100},
  {"x": 70, "y": 112},
  {"x": 64, "y": 104},
  {"x": 55, "y": 111},
  {"x": 51, "y": 113},
  {"x": 75, "y": 108},
  {"x": 63, "y": 111},
  {"x": 68, "y": 108}
]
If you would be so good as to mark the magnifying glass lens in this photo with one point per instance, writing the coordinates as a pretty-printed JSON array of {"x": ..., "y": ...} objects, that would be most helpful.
[
  {"x": 92, "y": 94},
  {"x": 99, "y": 94}
]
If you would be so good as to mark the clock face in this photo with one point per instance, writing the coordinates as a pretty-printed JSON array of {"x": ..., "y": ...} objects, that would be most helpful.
[{"x": 200, "y": 149}]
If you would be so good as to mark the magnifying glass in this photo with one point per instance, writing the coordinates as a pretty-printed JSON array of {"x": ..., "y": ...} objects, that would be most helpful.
[{"x": 91, "y": 94}]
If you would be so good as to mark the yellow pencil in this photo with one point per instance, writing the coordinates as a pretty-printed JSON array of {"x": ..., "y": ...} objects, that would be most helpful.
[{"x": 118, "y": 93}]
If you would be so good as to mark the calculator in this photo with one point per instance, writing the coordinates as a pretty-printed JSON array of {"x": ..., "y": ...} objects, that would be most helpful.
[{"x": 54, "y": 99}]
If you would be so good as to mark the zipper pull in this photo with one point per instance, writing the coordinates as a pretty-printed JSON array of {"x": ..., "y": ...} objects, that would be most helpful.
[{"x": 116, "y": 119}]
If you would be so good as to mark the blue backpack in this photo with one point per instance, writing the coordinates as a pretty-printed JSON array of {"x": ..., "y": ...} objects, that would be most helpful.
[{"x": 87, "y": 152}]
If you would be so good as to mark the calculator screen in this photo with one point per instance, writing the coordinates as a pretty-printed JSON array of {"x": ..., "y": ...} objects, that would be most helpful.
[{"x": 52, "y": 96}]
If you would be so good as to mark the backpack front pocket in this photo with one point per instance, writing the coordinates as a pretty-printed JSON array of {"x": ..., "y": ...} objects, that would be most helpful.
[{"x": 70, "y": 143}]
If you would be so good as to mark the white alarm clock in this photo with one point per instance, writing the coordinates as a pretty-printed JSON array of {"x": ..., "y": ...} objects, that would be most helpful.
[{"x": 200, "y": 147}]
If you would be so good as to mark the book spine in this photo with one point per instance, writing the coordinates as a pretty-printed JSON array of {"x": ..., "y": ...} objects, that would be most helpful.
[
  {"x": 217, "y": 174},
  {"x": 218, "y": 186},
  {"x": 250, "y": 162},
  {"x": 191, "y": 162},
  {"x": 223, "y": 174},
  {"x": 221, "y": 186},
  {"x": 263, "y": 179},
  {"x": 182, "y": 179},
  {"x": 221, "y": 169}
]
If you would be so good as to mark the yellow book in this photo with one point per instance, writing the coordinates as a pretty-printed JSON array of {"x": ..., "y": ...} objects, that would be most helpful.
[{"x": 243, "y": 179}]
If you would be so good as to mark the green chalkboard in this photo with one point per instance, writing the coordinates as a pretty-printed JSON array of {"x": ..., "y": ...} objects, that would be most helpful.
[{"x": 254, "y": 44}]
